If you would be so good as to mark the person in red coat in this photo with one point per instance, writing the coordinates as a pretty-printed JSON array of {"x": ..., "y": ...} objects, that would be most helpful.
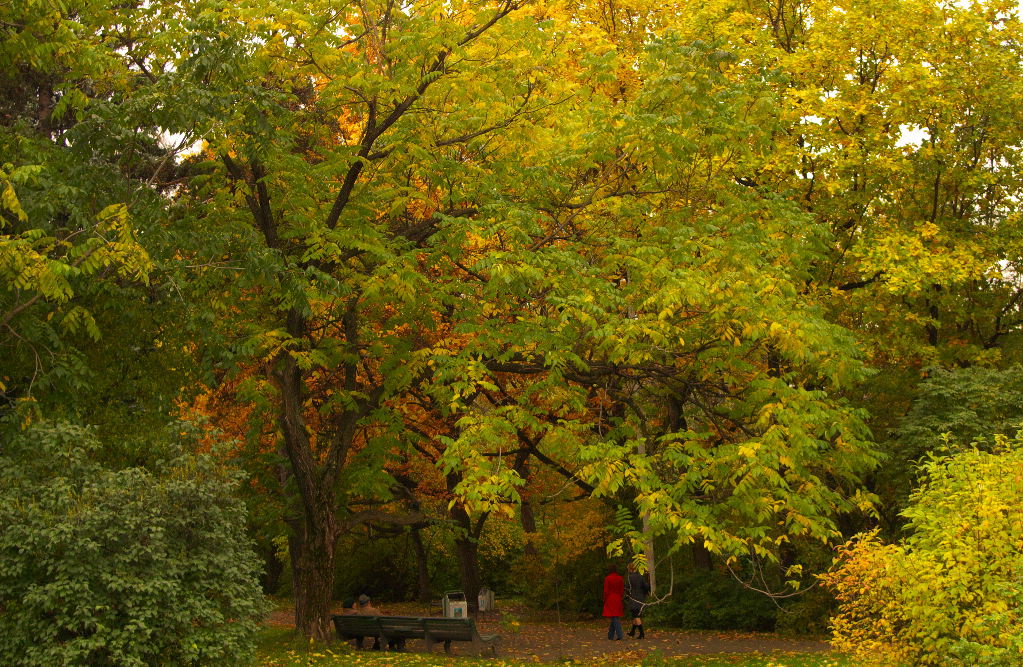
[{"x": 614, "y": 591}]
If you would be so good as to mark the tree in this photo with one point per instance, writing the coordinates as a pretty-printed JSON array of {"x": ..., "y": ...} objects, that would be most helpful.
[
  {"x": 656, "y": 321},
  {"x": 656, "y": 307},
  {"x": 964, "y": 404},
  {"x": 89, "y": 329},
  {"x": 394, "y": 108},
  {"x": 893, "y": 132}
]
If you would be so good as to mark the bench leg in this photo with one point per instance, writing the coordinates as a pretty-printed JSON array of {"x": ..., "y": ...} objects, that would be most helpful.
[{"x": 447, "y": 646}]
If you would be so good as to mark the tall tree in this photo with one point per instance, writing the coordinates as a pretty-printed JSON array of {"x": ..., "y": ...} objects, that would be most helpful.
[
  {"x": 894, "y": 133},
  {"x": 657, "y": 303},
  {"x": 354, "y": 143}
]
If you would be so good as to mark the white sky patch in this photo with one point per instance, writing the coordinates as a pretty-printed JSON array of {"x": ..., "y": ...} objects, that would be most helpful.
[
  {"x": 178, "y": 142},
  {"x": 912, "y": 135}
]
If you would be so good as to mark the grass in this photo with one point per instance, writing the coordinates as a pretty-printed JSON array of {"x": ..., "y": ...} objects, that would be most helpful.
[{"x": 282, "y": 647}]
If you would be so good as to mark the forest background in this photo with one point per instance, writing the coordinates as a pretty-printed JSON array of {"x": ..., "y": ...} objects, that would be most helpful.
[{"x": 409, "y": 296}]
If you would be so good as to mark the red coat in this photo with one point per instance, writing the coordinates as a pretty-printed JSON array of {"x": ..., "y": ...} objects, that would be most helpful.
[{"x": 614, "y": 590}]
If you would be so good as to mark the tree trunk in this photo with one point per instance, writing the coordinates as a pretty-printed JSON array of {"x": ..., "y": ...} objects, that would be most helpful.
[
  {"x": 314, "y": 528},
  {"x": 273, "y": 568},
  {"x": 527, "y": 518},
  {"x": 702, "y": 558},
  {"x": 648, "y": 538},
  {"x": 421, "y": 566},
  {"x": 312, "y": 567},
  {"x": 466, "y": 550},
  {"x": 468, "y": 567},
  {"x": 648, "y": 552},
  {"x": 529, "y": 528}
]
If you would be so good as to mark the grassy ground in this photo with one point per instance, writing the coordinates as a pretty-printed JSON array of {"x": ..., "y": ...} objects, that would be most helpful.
[{"x": 280, "y": 647}]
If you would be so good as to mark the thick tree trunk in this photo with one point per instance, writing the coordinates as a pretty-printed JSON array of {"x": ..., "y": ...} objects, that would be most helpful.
[
  {"x": 314, "y": 528},
  {"x": 312, "y": 566},
  {"x": 423, "y": 572},
  {"x": 466, "y": 550},
  {"x": 468, "y": 566}
]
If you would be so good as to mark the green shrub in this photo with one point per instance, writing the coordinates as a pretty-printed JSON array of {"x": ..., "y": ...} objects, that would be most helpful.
[
  {"x": 951, "y": 592},
  {"x": 127, "y": 567}
]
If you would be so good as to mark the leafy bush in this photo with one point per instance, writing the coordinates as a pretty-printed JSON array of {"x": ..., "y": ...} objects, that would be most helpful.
[
  {"x": 950, "y": 593},
  {"x": 128, "y": 567}
]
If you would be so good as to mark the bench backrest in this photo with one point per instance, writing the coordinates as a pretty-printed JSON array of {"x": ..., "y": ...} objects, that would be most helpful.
[
  {"x": 406, "y": 627},
  {"x": 457, "y": 629},
  {"x": 357, "y": 626}
]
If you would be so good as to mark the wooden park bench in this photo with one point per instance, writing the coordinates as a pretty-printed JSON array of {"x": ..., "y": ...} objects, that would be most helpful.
[
  {"x": 449, "y": 630},
  {"x": 397, "y": 629},
  {"x": 357, "y": 627}
]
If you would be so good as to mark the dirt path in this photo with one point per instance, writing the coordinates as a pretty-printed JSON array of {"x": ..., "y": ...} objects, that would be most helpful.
[
  {"x": 546, "y": 640},
  {"x": 544, "y": 643}
]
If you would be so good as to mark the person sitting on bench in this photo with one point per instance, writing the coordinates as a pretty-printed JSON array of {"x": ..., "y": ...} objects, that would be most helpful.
[{"x": 366, "y": 608}]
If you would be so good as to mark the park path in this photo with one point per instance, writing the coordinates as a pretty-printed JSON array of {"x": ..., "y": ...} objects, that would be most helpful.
[
  {"x": 547, "y": 640},
  {"x": 585, "y": 641}
]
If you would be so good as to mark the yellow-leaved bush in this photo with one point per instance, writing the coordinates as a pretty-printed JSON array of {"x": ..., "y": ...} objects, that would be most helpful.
[{"x": 952, "y": 591}]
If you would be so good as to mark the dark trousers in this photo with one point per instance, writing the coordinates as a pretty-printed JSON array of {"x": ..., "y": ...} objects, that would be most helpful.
[{"x": 614, "y": 631}]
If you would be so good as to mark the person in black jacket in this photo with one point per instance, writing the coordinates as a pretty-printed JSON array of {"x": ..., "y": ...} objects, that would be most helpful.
[{"x": 636, "y": 589}]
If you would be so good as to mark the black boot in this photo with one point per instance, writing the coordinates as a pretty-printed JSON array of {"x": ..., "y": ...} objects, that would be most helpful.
[
  {"x": 632, "y": 630},
  {"x": 642, "y": 633}
]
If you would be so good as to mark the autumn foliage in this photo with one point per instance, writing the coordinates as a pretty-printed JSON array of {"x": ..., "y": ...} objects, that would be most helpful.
[
  {"x": 633, "y": 279},
  {"x": 949, "y": 592}
]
